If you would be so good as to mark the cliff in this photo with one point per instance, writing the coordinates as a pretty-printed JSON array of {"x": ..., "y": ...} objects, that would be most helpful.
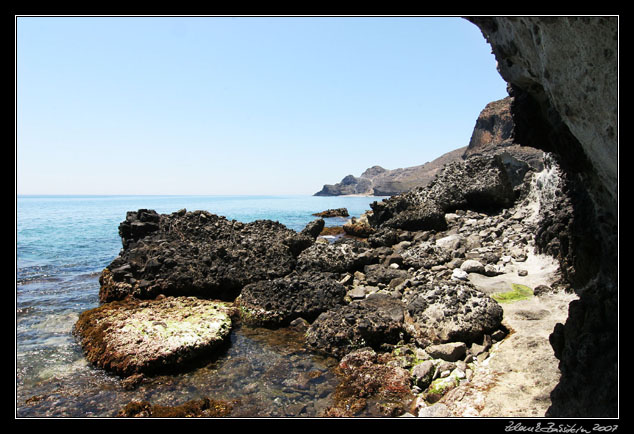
[{"x": 563, "y": 75}]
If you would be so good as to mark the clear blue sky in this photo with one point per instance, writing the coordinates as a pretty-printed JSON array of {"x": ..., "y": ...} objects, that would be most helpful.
[{"x": 240, "y": 105}]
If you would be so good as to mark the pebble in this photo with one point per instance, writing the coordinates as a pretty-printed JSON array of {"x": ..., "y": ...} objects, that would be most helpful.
[{"x": 458, "y": 274}]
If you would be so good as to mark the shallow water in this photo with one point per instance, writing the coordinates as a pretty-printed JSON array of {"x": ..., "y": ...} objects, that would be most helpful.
[
  {"x": 263, "y": 373},
  {"x": 63, "y": 243}
]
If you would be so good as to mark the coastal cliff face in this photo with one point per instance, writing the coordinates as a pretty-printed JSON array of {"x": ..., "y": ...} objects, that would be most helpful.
[
  {"x": 493, "y": 133},
  {"x": 563, "y": 77}
]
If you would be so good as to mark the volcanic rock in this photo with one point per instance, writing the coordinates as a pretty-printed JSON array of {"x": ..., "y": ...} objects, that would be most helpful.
[
  {"x": 372, "y": 322},
  {"x": 339, "y": 257},
  {"x": 479, "y": 183},
  {"x": 299, "y": 295},
  {"x": 453, "y": 311},
  {"x": 337, "y": 212},
  {"x": 197, "y": 253}
]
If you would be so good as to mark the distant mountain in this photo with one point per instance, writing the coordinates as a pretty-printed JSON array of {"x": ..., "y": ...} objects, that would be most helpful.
[{"x": 493, "y": 133}]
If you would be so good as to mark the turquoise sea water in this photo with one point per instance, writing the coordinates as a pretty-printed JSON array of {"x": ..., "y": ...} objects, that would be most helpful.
[{"x": 63, "y": 243}]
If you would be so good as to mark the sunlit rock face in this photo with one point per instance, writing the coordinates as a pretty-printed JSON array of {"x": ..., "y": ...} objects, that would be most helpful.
[{"x": 563, "y": 77}]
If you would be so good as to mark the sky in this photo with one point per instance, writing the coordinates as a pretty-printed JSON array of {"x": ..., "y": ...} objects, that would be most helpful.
[{"x": 240, "y": 105}]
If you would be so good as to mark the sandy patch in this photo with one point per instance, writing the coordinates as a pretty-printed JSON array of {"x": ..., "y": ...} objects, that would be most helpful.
[{"x": 517, "y": 378}]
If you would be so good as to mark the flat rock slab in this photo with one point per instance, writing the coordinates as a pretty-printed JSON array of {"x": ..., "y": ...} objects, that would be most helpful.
[{"x": 149, "y": 336}]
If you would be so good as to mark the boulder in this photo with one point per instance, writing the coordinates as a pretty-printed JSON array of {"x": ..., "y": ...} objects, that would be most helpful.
[
  {"x": 152, "y": 336},
  {"x": 197, "y": 253},
  {"x": 314, "y": 228},
  {"x": 451, "y": 351},
  {"x": 339, "y": 257},
  {"x": 371, "y": 322},
  {"x": 378, "y": 273},
  {"x": 425, "y": 254},
  {"x": 480, "y": 183},
  {"x": 472, "y": 266},
  {"x": 423, "y": 374},
  {"x": 279, "y": 301},
  {"x": 451, "y": 311},
  {"x": 359, "y": 227}
]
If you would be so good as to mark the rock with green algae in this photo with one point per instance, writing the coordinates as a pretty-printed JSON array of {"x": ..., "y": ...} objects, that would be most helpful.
[
  {"x": 439, "y": 387},
  {"x": 149, "y": 336}
]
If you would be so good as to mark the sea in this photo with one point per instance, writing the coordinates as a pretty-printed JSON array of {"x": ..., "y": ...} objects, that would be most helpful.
[{"x": 62, "y": 245}]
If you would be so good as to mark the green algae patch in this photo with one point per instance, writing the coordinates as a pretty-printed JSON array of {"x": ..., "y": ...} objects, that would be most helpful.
[
  {"x": 439, "y": 387},
  {"x": 133, "y": 336},
  {"x": 517, "y": 293}
]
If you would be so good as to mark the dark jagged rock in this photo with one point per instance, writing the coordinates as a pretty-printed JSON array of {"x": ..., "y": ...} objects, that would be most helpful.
[
  {"x": 279, "y": 301},
  {"x": 337, "y": 212},
  {"x": 197, "y": 253},
  {"x": 449, "y": 312},
  {"x": 372, "y": 322},
  {"x": 425, "y": 255},
  {"x": 383, "y": 237},
  {"x": 379, "y": 273},
  {"x": 314, "y": 228},
  {"x": 137, "y": 225},
  {"x": 480, "y": 183},
  {"x": 339, "y": 257}
]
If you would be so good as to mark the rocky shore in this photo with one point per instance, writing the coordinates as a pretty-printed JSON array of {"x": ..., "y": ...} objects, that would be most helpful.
[
  {"x": 447, "y": 299},
  {"x": 408, "y": 305}
]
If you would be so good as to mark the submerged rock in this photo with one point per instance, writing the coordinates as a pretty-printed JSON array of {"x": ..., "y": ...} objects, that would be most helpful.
[
  {"x": 150, "y": 336},
  {"x": 369, "y": 380},
  {"x": 204, "y": 407}
]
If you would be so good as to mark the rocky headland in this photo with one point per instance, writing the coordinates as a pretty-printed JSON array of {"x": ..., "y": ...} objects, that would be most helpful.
[
  {"x": 490, "y": 290},
  {"x": 493, "y": 133}
]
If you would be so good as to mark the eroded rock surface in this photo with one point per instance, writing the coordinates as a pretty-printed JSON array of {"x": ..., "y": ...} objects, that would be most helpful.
[
  {"x": 197, "y": 253},
  {"x": 279, "y": 301},
  {"x": 479, "y": 183},
  {"x": 150, "y": 336},
  {"x": 563, "y": 76}
]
